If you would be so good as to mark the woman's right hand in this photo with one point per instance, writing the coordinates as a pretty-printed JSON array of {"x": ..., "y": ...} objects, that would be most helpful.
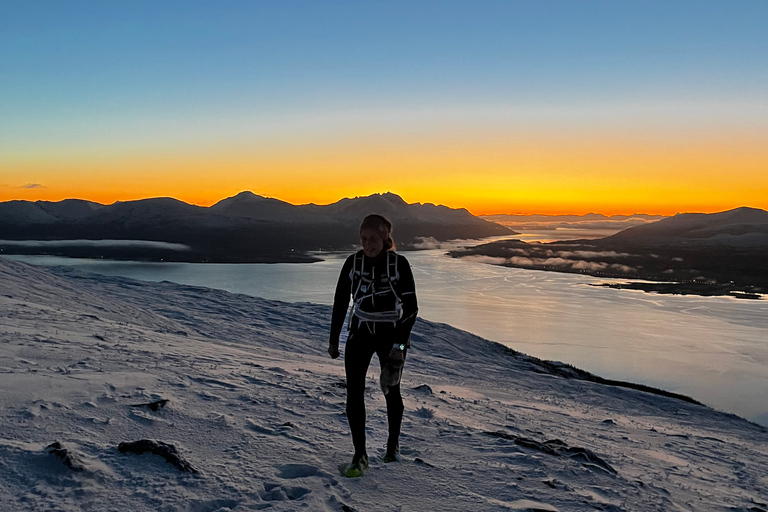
[{"x": 333, "y": 350}]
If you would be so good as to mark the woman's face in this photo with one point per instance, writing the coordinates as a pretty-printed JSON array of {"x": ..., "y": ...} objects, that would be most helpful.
[{"x": 372, "y": 242}]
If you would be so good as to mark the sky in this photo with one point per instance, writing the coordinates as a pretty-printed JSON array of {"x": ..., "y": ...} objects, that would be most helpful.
[{"x": 508, "y": 106}]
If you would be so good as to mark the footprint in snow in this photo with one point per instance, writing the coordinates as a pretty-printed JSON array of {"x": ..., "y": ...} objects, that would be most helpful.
[
  {"x": 532, "y": 506},
  {"x": 147, "y": 418},
  {"x": 291, "y": 471},
  {"x": 212, "y": 505},
  {"x": 217, "y": 383},
  {"x": 278, "y": 492}
]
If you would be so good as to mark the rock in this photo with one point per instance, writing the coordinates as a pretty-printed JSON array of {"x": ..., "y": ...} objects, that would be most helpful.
[
  {"x": 68, "y": 458},
  {"x": 558, "y": 448},
  {"x": 153, "y": 406},
  {"x": 423, "y": 389},
  {"x": 165, "y": 450}
]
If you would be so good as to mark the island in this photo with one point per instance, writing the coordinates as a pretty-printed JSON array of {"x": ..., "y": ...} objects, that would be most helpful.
[{"x": 705, "y": 254}]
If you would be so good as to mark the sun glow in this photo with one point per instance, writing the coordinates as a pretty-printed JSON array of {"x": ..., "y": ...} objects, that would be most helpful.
[{"x": 495, "y": 173}]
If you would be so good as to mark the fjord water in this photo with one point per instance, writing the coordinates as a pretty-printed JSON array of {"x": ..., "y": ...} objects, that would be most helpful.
[{"x": 714, "y": 349}]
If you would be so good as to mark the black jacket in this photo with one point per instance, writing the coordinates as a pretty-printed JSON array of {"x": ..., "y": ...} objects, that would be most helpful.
[{"x": 375, "y": 270}]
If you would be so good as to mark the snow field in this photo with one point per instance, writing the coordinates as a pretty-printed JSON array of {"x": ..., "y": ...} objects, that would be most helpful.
[{"x": 257, "y": 408}]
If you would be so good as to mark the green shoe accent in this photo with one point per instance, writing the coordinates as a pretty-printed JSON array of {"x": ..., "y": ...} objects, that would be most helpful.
[
  {"x": 356, "y": 468},
  {"x": 352, "y": 471}
]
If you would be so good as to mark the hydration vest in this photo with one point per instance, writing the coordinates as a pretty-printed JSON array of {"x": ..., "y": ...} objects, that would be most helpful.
[{"x": 374, "y": 298}]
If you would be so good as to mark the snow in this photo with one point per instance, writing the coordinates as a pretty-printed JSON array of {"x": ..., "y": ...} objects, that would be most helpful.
[{"x": 257, "y": 408}]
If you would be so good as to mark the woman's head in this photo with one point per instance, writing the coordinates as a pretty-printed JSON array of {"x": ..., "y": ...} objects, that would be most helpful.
[{"x": 376, "y": 235}]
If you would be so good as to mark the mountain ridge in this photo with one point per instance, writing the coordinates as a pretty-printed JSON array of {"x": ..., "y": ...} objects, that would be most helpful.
[
  {"x": 242, "y": 228},
  {"x": 736, "y": 223}
]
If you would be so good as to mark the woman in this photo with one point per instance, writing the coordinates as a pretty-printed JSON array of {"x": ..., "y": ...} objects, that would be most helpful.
[{"x": 384, "y": 309}]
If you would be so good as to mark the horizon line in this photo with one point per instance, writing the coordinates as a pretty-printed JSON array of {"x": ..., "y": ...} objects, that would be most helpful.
[{"x": 490, "y": 213}]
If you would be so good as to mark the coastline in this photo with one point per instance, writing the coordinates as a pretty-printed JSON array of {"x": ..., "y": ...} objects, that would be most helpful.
[
  {"x": 157, "y": 256},
  {"x": 693, "y": 288},
  {"x": 676, "y": 270}
]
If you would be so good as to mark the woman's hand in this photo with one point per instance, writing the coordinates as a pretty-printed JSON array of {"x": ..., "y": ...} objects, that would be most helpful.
[{"x": 333, "y": 350}]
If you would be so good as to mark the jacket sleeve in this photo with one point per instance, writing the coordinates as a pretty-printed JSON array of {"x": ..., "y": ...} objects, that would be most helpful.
[
  {"x": 406, "y": 289},
  {"x": 341, "y": 300}
]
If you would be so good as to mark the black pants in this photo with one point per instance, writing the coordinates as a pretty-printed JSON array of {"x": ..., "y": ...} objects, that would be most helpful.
[{"x": 357, "y": 357}]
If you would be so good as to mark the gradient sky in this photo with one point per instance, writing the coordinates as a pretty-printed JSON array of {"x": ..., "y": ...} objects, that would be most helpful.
[{"x": 547, "y": 106}]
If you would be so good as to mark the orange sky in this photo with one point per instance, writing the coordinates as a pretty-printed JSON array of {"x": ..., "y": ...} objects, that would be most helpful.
[{"x": 492, "y": 172}]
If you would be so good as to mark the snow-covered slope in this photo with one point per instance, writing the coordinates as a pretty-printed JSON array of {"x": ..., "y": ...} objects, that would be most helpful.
[{"x": 257, "y": 409}]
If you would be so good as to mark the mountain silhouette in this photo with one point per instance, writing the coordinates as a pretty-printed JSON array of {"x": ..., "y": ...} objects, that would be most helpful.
[
  {"x": 245, "y": 227},
  {"x": 742, "y": 226}
]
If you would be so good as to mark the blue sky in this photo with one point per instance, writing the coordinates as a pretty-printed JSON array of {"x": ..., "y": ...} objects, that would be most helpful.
[{"x": 102, "y": 55}]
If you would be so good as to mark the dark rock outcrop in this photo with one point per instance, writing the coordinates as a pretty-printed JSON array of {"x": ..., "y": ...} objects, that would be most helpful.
[
  {"x": 164, "y": 450},
  {"x": 152, "y": 406},
  {"x": 558, "y": 448},
  {"x": 67, "y": 457}
]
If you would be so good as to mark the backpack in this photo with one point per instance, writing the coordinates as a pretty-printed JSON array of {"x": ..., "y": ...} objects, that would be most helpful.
[{"x": 366, "y": 292}]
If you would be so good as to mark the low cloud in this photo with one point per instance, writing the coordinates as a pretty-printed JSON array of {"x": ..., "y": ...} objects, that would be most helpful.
[
  {"x": 32, "y": 186},
  {"x": 133, "y": 244},
  {"x": 623, "y": 268},
  {"x": 592, "y": 254},
  {"x": 555, "y": 262},
  {"x": 571, "y": 264},
  {"x": 427, "y": 242},
  {"x": 576, "y": 260},
  {"x": 512, "y": 250},
  {"x": 493, "y": 260},
  {"x": 523, "y": 262},
  {"x": 589, "y": 265}
]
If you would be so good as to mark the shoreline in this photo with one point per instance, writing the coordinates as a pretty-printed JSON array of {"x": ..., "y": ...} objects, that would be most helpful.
[
  {"x": 670, "y": 288},
  {"x": 660, "y": 286},
  {"x": 672, "y": 270},
  {"x": 165, "y": 257}
]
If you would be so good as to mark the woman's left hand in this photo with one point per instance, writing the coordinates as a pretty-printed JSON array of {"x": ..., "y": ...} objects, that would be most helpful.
[{"x": 397, "y": 355}]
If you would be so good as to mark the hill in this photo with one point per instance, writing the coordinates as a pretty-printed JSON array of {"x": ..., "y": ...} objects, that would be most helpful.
[
  {"x": 740, "y": 227},
  {"x": 243, "y": 228},
  {"x": 254, "y": 409}
]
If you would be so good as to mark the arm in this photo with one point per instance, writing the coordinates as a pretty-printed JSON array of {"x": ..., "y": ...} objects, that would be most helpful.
[
  {"x": 341, "y": 301},
  {"x": 406, "y": 290}
]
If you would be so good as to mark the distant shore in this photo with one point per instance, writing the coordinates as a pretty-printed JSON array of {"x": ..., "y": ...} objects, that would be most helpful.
[
  {"x": 702, "y": 289},
  {"x": 673, "y": 270},
  {"x": 158, "y": 256}
]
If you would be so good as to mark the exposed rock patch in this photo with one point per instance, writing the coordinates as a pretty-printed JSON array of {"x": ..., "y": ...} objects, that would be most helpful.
[{"x": 165, "y": 450}]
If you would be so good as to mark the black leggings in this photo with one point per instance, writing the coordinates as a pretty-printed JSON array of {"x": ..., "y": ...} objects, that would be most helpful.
[{"x": 357, "y": 357}]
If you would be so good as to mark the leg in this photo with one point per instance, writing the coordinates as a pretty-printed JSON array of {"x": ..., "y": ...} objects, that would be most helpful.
[
  {"x": 394, "y": 400},
  {"x": 395, "y": 410},
  {"x": 357, "y": 357}
]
